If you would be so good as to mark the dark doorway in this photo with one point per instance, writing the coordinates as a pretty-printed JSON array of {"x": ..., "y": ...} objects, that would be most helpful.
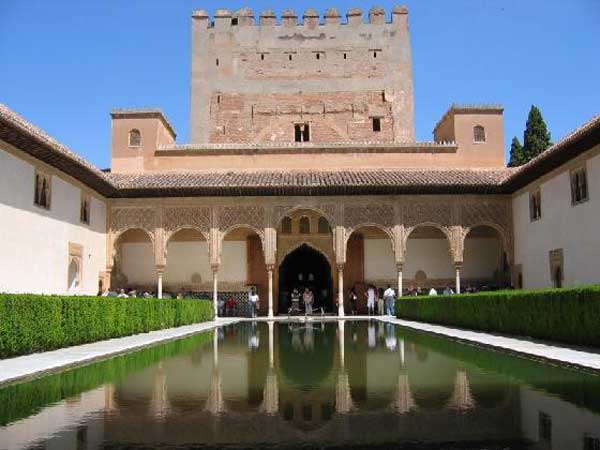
[{"x": 304, "y": 268}]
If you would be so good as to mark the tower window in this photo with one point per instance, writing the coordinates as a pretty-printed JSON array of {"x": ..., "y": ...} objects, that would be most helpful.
[
  {"x": 286, "y": 225},
  {"x": 234, "y": 21},
  {"x": 135, "y": 138},
  {"x": 318, "y": 56},
  {"x": 478, "y": 133},
  {"x": 301, "y": 132},
  {"x": 304, "y": 225},
  {"x": 345, "y": 56},
  {"x": 41, "y": 195},
  {"x": 374, "y": 54},
  {"x": 218, "y": 99},
  {"x": 84, "y": 209},
  {"x": 262, "y": 56},
  {"x": 579, "y": 188},
  {"x": 217, "y": 62},
  {"x": 376, "y": 124},
  {"x": 290, "y": 57},
  {"x": 535, "y": 205},
  {"x": 324, "y": 225}
]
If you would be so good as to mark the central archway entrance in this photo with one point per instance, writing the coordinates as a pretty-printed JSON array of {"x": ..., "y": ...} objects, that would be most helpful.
[{"x": 303, "y": 268}]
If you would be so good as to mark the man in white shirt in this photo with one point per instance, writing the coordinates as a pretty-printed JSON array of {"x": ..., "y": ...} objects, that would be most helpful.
[
  {"x": 389, "y": 297},
  {"x": 253, "y": 302},
  {"x": 432, "y": 291}
]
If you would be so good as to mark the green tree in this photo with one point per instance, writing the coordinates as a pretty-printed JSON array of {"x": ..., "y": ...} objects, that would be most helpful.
[
  {"x": 516, "y": 153},
  {"x": 536, "y": 138}
]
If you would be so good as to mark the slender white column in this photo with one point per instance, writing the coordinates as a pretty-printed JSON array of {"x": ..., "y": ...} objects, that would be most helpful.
[
  {"x": 340, "y": 290},
  {"x": 271, "y": 345},
  {"x": 402, "y": 352},
  {"x": 215, "y": 270},
  {"x": 457, "y": 278},
  {"x": 399, "y": 268},
  {"x": 159, "y": 289},
  {"x": 270, "y": 272}
]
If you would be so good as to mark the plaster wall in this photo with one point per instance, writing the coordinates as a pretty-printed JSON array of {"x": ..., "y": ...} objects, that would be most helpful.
[
  {"x": 433, "y": 257},
  {"x": 572, "y": 228},
  {"x": 184, "y": 259},
  {"x": 35, "y": 241}
]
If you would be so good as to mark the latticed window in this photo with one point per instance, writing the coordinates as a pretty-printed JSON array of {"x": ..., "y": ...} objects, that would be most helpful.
[
  {"x": 304, "y": 225},
  {"x": 579, "y": 188},
  {"x": 376, "y": 122},
  {"x": 135, "y": 138},
  {"x": 286, "y": 225},
  {"x": 535, "y": 205},
  {"x": 591, "y": 442},
  {"x": 41, "y": 196},
  {"x": 301, "y": 132},
  {"x": 84, "y": 210},
  {"x": 324, "y": 225},
  {"x": 478, "y": 133}
]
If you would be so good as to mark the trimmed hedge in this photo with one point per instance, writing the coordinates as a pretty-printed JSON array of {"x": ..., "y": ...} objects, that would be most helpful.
[
  {"x": 570, "y": 316},
  {"x": 35, "y": 323}
]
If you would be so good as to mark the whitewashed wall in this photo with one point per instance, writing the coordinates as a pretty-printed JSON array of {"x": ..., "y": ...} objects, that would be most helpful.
[
  {"x": 574, "y": 228},
  {"x": 431, "y": 256},
  {"x": 34, "y": 242},
  {"x": 184, "y": 259}
]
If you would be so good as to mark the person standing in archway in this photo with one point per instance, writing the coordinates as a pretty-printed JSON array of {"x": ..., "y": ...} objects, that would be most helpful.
[
  {"x": 371, "y": 294},
  {"x": 308, "y": 298},
  {"x": 353, "y": 299},
  {"x": 253, "y": 302}
]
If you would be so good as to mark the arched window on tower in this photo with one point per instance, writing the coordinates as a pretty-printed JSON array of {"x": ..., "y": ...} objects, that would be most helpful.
[
  {"x": 135, "y": 138},
  {"x": 304, "y": 225},
  {"x": 324, "y": 225},
  {"x": 478, "y": 133},
  {"x": 286, "y": 225}
]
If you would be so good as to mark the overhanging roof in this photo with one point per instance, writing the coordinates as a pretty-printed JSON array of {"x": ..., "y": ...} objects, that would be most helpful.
[{"x": 18, "y": 132}]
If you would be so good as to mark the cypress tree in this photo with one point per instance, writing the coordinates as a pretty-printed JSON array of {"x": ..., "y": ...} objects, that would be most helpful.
[
  {"x": 516, "y": 153},
  {"x": 537, "y": 137}
]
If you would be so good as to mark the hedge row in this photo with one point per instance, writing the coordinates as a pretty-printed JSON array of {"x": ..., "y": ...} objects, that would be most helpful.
[
  {"x": 569, "y": 316},
  {"x": 35, "y": 323},
  {"x": 22, "y": 400}
]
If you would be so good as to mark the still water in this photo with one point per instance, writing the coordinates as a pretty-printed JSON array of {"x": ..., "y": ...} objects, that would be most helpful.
[{"x": 306, "y": 385}]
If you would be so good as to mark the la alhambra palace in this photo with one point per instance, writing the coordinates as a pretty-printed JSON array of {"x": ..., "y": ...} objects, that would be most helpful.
[{"x": 302, "y": 168}]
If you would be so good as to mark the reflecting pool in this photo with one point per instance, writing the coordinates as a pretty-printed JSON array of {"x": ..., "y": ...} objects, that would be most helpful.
[{"x": 348, "y": 384}]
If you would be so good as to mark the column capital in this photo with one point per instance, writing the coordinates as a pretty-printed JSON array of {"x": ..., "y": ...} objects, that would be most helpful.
[
  {"x": 340, "y": 266},
  {"x": 270, "y": 267},
  {"x": 160, "y": 269},
  {"x": 399, "y": 266},
  {"x": 215, "y": 267},
  {"x": 458, "y": 265}
]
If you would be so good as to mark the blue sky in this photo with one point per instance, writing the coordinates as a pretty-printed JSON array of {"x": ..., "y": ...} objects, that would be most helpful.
[{"x": 66, "y": 64}]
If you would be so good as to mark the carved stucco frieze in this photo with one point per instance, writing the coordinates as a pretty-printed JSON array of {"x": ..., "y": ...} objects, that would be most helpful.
[
  {"x": 416, "y": 213},
  {"x": 253, "y": 216},
  {"x": 176, "y": 218},
  {"x": 368, "y": 213},
  {"x": 123, "y": 219}
]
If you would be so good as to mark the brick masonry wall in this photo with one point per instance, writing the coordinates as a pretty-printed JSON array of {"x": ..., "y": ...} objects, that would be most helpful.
[{"x": 332, "y": 117}]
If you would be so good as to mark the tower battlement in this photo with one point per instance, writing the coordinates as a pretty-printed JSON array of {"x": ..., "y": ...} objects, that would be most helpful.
[
  {"x": 224, "y": 18},
  {"x": 296, "y": 79}
]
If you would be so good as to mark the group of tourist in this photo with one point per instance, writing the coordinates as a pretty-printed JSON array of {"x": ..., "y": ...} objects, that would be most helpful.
[
  {"x": 121, "y": 293},
  {"x": 308, "y": 300},
  {"x": 385, "y": 300}
]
